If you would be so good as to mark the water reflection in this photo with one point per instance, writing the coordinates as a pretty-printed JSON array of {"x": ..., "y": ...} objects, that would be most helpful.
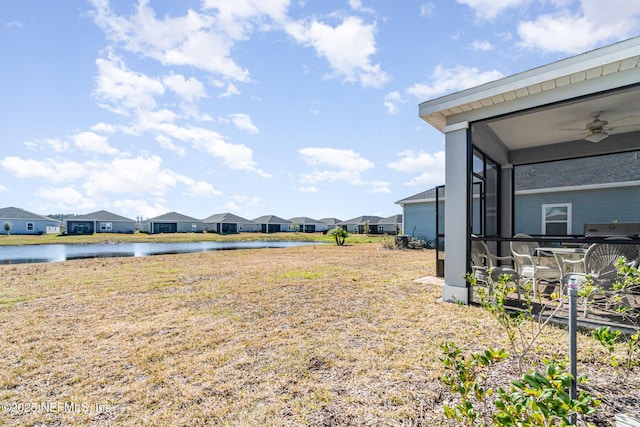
[{"x": 53, "y": 253}]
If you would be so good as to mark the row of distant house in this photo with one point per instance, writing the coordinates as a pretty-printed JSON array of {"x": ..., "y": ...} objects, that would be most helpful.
[{"x": 24, "y": 222}]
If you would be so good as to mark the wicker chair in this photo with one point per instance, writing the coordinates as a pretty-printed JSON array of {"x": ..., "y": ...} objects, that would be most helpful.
[
  {"x": 527, "y": 262},
  {"x": 600, "y": 260},
  {"x": 483, "y": 261}
]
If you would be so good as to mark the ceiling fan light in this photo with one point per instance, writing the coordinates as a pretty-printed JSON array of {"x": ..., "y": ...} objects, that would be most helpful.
[{"x": 596, "y": 136}]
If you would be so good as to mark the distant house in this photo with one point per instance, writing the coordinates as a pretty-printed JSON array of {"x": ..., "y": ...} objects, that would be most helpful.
[
  {"x": 227, "y": 223},
  {"x": 330, "y": 222},
  {"x": 552, "y": 198},
  {"x": 172, "y": 222},
  {"x": 305, "y": 224},
  {"x": 358, "y": 225},
  {"x": 271, "y": 224},
  {"x": 390, "y": 225},
  {"x": 99, "y": 222},
  {"x": 25, "y": 222}
]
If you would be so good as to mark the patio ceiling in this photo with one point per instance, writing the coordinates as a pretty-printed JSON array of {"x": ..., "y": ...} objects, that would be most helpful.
[{"x": 567, "y": 122}]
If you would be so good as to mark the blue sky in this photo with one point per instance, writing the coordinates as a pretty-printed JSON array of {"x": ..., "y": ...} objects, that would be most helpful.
[{"x": 255, "y": 107}]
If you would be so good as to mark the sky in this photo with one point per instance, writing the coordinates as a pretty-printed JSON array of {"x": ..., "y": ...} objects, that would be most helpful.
[{"x": 255, "y": 107}]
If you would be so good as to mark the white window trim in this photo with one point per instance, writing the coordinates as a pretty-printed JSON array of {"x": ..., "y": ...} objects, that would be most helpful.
[
  {"x": 553, "y": 205},
  {"x": 33, "y": 226}
]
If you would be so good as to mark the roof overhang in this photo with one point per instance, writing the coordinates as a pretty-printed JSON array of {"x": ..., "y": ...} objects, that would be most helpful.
[{"x": 551, "y": 104}]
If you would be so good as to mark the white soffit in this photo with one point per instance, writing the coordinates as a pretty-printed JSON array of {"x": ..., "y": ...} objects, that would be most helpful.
[{"x": 595, "y": 64}]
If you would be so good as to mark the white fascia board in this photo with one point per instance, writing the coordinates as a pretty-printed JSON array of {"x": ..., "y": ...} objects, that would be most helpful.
[
  {"x": 580, "y": 188},
  {"x": 416, "y": 201},
  {"x": 556, "y": 70}
]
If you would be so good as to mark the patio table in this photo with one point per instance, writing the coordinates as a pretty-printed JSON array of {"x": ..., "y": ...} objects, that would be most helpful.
[{"x": 567, "y": 258}]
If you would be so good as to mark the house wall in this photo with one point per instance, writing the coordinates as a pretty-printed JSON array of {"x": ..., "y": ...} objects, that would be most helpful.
[
  {"x": 212, "y": 227},
  {"x": 420, "y": 220},
  {"x": 19, "y": 226},
  {"x": 116, "y": 227},
  {"x": 145, "y": 227},
  {"x": 599, "y": 206},
  {"x": 247, "y": 228},
  {"x": 186, "y": 227}
]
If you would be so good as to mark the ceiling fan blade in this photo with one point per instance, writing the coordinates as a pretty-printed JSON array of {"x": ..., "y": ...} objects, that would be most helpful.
[
  {"x": 581, "y": 130},
  {"x": 628, "y": 120}
]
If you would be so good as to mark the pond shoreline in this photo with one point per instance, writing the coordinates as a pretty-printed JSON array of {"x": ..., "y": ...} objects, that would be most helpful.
[{"x": 26, "y": 254}]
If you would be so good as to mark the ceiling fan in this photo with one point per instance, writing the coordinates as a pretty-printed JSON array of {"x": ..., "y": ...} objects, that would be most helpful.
[
  {"x": 599, "y": 129},
  {"x": 596, "y": 129}
]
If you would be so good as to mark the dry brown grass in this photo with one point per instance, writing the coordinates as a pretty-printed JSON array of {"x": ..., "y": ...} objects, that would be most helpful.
[{"x": 322, "y": 335}]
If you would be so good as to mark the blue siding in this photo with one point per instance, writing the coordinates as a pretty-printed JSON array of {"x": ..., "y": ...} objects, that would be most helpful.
[
  {"x": 116, "y": 227},
  {"x": 588, "y": 207},
  {"x": 420, "y": 220},
  {"x": 19, "y": 226}
]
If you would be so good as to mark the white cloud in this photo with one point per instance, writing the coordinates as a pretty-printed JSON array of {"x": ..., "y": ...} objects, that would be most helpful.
[
  {"x": 429, "y": 167},
  {"x": 489, "y": 9},
  {"x": 348, "y": 47},
  {"x": 141, "y": 175},
  {"x": 481, "y": 45},
  {"x": 243, "y": 122},
  {"x": 166, "y": 143},
  {"x": 231, "y": 90},
  {"x": 380, "y": 187},
  {"x": 239, "y": 201},
  {"x": 199, "y": 188},
  {"x": 93, "y": 143},
  {"x": 447, "y": 80},
  {"x": 307, "y": 189},
  {"x": 426, "y": 10},
  {"x": 3, "y": 189},
  {"x": 594, "y": 24},
  {"x": 47, "y": 169},
  {"x": 196, "y": 39},
  {"x": 334, "y": 165},
  {"x": 232, "y": 206},
  {"x": 237, "y": 16},
  {"x": 103, "y": 127},
  {"x": 190, "y": 90},
  {"x": 234, "y": 156},
  {"x": 391, "y": 101},
  {"x": 121, "y": 90},
  {"x": 248, "y": 200},
  {"x": 358, "y": 7},
  {"x": 50, "y": 144},
  {"x": 141, "y": 207},
  {"x": 14, "y": 24},
  {"x": 66, "y": 197}
]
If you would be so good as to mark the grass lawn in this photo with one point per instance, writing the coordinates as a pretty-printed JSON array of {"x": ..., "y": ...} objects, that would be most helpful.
[{"x": 315, "y": 335}]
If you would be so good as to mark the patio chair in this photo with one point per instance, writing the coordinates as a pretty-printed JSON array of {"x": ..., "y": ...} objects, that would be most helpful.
[
  {"x": 483, "y": 261},
  {"x": 600, "y": 260},
  {"x": 599, "y": 263},
  {"x": 533, "y": 264}
]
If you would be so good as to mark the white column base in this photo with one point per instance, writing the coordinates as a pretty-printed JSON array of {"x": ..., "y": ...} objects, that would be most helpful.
[{"x": 455, "y": 294}]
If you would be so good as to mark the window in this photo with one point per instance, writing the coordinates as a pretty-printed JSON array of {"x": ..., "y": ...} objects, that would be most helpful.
[
  {"x": 106, "y": 226},
  {"x": 556, "y": 219},
  {"x": 29, "y": 226},
  {"x": 194, "y": 227}
]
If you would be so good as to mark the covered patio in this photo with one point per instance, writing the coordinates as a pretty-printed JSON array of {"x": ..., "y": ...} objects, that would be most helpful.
[{"x": 577, "y": 115}]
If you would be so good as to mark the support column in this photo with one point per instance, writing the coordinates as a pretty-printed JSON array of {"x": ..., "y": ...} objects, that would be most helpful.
[{"x": 455, "y": 224}]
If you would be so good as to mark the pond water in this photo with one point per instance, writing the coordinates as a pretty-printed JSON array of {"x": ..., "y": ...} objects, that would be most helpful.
[{"x": 52, "y": 253}]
